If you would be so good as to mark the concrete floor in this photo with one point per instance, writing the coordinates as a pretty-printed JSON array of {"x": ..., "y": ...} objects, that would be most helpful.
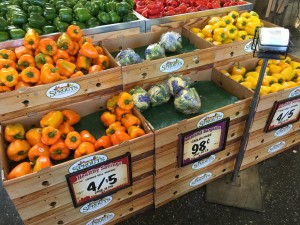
[{"x": 279, "y": 178}]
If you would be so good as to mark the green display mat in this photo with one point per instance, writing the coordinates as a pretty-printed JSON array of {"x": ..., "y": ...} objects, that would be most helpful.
[
  {"x": 212, "y": 97},
  {"x": 186, "y": 47}
]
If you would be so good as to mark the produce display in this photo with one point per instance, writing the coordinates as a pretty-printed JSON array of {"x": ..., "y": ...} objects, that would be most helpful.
[
  {"x": 43, "y": 60},
  {"x": 50, "y": 16},
  {"x": 279, "y": 75},
  {"x": 56, "y": 140},
  {"x": 157, "y": 8},
  {"x": 229, "y": 28}
]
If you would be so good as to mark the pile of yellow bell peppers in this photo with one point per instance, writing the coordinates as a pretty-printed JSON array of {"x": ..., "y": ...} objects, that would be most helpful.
[
  {"x": 229, "y": 28},
  {"x": 279, "y": 75}
]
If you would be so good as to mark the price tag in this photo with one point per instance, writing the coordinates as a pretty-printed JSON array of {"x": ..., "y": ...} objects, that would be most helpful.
[
  {"x": 284, "y": 112},
  {"x": 100, "y": 180},
  {"x": 202, "y": 142}
]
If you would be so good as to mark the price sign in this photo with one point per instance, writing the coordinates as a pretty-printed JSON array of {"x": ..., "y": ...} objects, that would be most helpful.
[
  {"x": 100, "y": 180},
  {"x": 284, "y": 112},
  {"x": 202, "y": 142}
]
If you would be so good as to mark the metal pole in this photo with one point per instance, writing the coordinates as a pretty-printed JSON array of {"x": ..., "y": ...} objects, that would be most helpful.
[{"x": 249, "y": 121}]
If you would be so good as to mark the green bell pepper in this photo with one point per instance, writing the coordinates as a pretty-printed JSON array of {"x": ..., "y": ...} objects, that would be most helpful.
[
  {"x": 71, "y": 3},
  {"x": 49, "y": 13},
  {"x": 78, "y": 5},
  {"x": 49, "y": 29},
  {"x": 115, "y": 18},
  {"x": 101, "y": 4},
  {"x": 36, "y": 20},
  {"x": 25, "y": 6},
  {"x": 82, "y": 14},
  {"x": 60, "y": 26},
  {"x": 17, "y": 33},
  {"x": 35, "y": 9},
  {"x": 92, "y": 22},
  {"x": 92, "y": 7},
  {"x": 4, "y": 35},
  {"x": 130, "y": 2},
  {"x": 110, "y": 6},
  {"x": 40, "y": 3},
  {"x": 104, "y": 18},
  {"x": 3, "y": 23},
  {"x": 60, "y": 5},
  {"x": 65, "y": 15},
  {"x": 123, "y": 8},
  {"x": 4, "y": 7},
  {"x": 16, "y": 2},
  {"x": 18, "y": 18},
  {"x": 129, "y": 17},
  {"x": 79, "y": 24}
]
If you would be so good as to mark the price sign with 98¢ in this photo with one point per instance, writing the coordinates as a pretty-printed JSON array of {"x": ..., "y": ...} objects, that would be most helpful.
[
  {"x": 202, "y": 142},
  {"x": 100, "y": 180},
  {"x": 283, "y": 113}
]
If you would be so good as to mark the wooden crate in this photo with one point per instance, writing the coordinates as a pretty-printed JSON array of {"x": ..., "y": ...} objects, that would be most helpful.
[
  {"x": 171, "y": 178},
  {"x": 43, "y": 197},
  {"x": 28, "y": 100},
  {"x": 148, "y": 69},
  {"x": 228, "y": 51}
]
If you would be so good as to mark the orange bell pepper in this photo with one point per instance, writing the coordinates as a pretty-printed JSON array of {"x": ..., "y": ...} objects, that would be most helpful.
[
  {"x": 59, "y": 151},
  {"x": 41, "y": 59},
  {"x": 52, "y": 118},
  {"x": 18, "y": 150},
  {"x": 102, "y": 143},
  {"x": 4, "y": 88},
  {"x": 34, "y": 136},
  {"x": 114, "y": 127},
  {"x": 47, "y": 46},
  {"x": 84, "y": 148},
  {"x": 108, "y": 118},
  {"x": 130, "y": 120},
  {"x": 135, "y": 131},
  {"x": 77, "y": 74},
  {"x": 65, "y": 128},
  {"x": 9, "y": 77},
  {"x": 88, "y": 50},
  {"x": 31, "y": 39},
  {"x": 64, "y": 42},
  {"x": 8, "y": 54},
  {"x": 20, "y": 170},
  {"x": 72, "y": 59},
  {"x": 13, "y": 132},
  {"x": 39, "y": 149},
  {"x": 119, "y": 137},
  {"x": 83, "y": 40},
  {"x": 25, "y": 61},
  {"x": 65, "y": 68},
  {"x": 21, "y": 50},
  {"x": 75, "y": 50},
  {"x": 83, "y": 64},
  {"x": 120, "y": 113},
  {"x": 70, "y": 116},
  {"x": 61, "y": 54},
  {"x": 74, "y": 32},
  {"x": 6, "y": 63},
  {"x": 50, "y": 135},
  {"x": 86, "y": 136},
  {"x": 125, "y": 101},
  {"x": 73, "y": 140},
  {"x": 102, "y": 60},
  {"x": 111, "y": 103},
  {"x": 41, "y": 163},
  {"x": 95, "y": 68},
  {"x": 30, "y": 75},
  {"x": 49, "y": 74},
  {"x": 21, "y": 84},
  {"x": 99, "y": 50}
]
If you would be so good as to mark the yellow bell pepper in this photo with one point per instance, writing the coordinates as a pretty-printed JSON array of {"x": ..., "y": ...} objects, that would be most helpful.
[
  {"x": 208, "y": 31},
  {"x": 234, "y": 15},
  {"x": 231, "y": 31},
  {"x": 249, "y": 37},
  {"x": 283, "y": 64},
  {"x": 213, "y": 20},
  {"x": 258, "y": 68},
  {"x": 273, "y": 61},
  {"x": 252, "y": 74},
  {"x": 276, "y": 87},
  {"x": 200, "y": 35},
  {"x": 242, "y": 34},
  {"x": 289, "y": 84},
  {"x": 280, "y": 77},
  {"x": 209, "y": 39},
  {"x": 9, "y": 77},
  {"x": 297, "y": 72},
  {"x": 219, "y": 25},
  {"x": 295, "y": 65},
  {"x": 227, "y": 19},
  {"x": 241, "y": 23},
  {"x": 219, "y": 34},
  {"x": 247, "y": 84},
  {"x": 250, "y": 27},
  {"x": 253, "y": 13},
  {"x": 252, "y": 80},
  {"x": 227, "y": 41},
  {"x": 298, "y": 80},
  {"x": 237, "y": 38},
  {"x": 195, "y": 30},
  {"x": 238, "y": 70},
  {"x": 245, "y": 15},
  {"x": 288, "y": 73},
  {"x": 237, "y": 78},
  {"x": 264, "y": 90},
  {"x": 217, "y": 43},
  {"x": 225, "y": 72},
  {"x": 253, "y": 19},
  {"x": 274, "y": 68},
  {"x": 52, "y": 118},
  {"x": 287, "y": 59},
  {"x": 13, "y": 132},
  {"x": 268, "y": 80}
]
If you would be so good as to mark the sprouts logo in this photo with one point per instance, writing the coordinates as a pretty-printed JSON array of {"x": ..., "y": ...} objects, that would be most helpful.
[
  {"x": 200, "y": 179},
  {"x": 295, "y": 92},
  {"x": 63, "y": 90},
  {"x": 87, "y": 162},
  {"x": 277, "y": 147},
  {"x": 283, "y": 130},
  {"x": 100, "y": 220},
  {"x": 171, "y": 65},
  {"x": 213, "y": 117},
  {"x": 95, "y": 205},
  {"x": 204, "y": 162},
  {"x": 248, "y": 48}
]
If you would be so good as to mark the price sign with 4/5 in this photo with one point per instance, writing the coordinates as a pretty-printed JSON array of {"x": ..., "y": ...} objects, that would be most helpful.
[
  {"x": 202, "y": 142},
  {"x": 100, "y": 180},
  {"x": 283, "y": 113}
]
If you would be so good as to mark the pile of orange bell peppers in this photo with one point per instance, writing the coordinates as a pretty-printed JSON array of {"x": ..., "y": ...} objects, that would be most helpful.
[{"x": 43, "y": 60}]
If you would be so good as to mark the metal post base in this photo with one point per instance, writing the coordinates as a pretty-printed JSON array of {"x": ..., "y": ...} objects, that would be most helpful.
[{"x": 244, "y": 193}]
